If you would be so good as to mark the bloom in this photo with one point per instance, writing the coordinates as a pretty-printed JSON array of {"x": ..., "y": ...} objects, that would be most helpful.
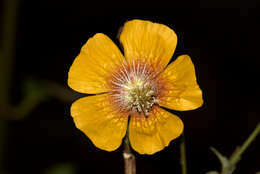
[{"x": 133, "y": 86}]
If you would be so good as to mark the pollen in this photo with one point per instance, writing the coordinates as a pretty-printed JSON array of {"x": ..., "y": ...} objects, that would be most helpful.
[{"x": 135, "y": 88}]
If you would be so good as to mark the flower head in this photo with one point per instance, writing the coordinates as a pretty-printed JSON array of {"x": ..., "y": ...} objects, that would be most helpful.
[{"x": 133, "y": 86}]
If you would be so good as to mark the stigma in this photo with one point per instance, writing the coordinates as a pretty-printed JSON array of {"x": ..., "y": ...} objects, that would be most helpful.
[{"x": 135, "y": 88}]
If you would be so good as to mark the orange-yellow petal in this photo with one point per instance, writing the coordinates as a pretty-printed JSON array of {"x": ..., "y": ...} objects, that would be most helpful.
[
  {"x": 91, "y": 68},
  {"x": 96, "y": 117},
  {"x": 147, "y": 41},
  {"x": 181, "y": 89},
  {"x": 150, "y": 135}
]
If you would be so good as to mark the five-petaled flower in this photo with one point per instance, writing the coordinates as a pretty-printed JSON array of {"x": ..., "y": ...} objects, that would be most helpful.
[{"x": 133, "y": 86}]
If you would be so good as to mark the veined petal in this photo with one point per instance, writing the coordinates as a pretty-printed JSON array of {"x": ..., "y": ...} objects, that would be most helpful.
[
  {"x": 150, "y": 135},
  {"x": 100, "y": 121},
  {"x": 181, "y": 89},
  {"x": 148, "y": 42},
  {"x": 90, "y": 70}
]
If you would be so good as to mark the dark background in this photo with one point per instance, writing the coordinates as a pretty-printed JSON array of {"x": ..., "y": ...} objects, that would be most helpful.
[{"x": 222, "y": 42}]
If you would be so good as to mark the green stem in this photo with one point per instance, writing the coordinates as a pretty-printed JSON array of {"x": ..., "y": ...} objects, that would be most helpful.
[
  {"x": 236, "y": 157},
  {"x": 183, "y": 155}
]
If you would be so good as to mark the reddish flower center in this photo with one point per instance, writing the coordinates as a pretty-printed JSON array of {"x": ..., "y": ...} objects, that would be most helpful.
[{"x": 135, "y": 88}]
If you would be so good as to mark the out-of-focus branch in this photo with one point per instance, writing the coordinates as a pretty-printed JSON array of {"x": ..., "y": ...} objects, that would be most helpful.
[
  {"x": 7, "y": 48},
  {"x": 62, "y": 93},
  {"x": 36, "y": 92},
  {"x": 10, "y": 8}
]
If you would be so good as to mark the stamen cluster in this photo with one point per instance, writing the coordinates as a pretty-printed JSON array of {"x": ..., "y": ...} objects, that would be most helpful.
[{"x": 134, "y": 88}]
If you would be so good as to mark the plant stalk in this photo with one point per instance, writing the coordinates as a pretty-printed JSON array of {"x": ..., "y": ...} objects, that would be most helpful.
[
  {"x": 129, "y": 158},
  {"x": 237, "y": 155},
  {"x": 183, "y": 155}
]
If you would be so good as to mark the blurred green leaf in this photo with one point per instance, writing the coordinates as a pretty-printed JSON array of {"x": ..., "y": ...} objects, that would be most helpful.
[
  {"x": 64, "y": 168},
  {"x": 34, "y": 94},
  {"x": 212, "y": 172}
]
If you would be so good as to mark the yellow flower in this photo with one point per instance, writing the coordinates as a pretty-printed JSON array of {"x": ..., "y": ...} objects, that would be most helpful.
[{"x": 133, "y": 86}]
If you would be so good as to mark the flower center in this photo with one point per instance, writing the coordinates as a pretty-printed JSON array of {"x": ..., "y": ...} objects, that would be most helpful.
[
  {"x": 139, "y": 97},
  {"x": 135, "y": 88}
]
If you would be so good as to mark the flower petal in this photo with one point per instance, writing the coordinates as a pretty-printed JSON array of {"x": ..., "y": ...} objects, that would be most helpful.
[
  {"x": 150, "y": 135},
  {"x": 97, "y": 118},
  {"x": 90, "y": 70},
  {"x": 149, "y": 42},
  {"x": 181, "y": 89}
]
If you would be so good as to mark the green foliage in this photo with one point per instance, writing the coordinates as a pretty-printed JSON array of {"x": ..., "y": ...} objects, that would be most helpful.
[
  {"x": 63, "y": 168},
  {"x": 228, "y": 165}
]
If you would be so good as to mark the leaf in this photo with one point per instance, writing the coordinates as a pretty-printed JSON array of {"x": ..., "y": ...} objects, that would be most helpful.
[
  {"x": 212, "y": 172},
  {"x": 227, "y": 167},
  {"x": 63, "y": 168}
]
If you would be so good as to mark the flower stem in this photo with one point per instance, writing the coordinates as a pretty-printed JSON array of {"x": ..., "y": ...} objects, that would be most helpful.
[
  {"x": 236, "y": 157},
  {"x": 129, "y": 158},
  {"x": 183, "y": 155}
]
